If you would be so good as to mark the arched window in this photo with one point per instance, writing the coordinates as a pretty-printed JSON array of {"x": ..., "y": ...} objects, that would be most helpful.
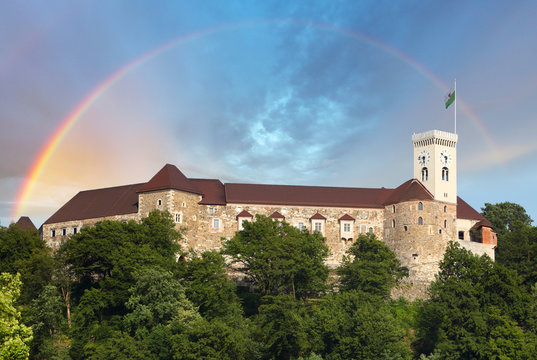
[
  {"x": 445, "y": 223},
  {"x": 420, "y": 206},
  {"x": 445, "y": 208},
  {"x": 393, "y": 223},
  {"x": 159, "y": 202},
  {"x": 445, "y": 174},
  {"x": 424, "y": 174},
  {"x": 393, "y": 208},
  {"x": 420, "y": 221}
]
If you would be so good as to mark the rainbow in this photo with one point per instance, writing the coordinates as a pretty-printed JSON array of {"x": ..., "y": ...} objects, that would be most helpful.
[{"x": 52, "y": 143}]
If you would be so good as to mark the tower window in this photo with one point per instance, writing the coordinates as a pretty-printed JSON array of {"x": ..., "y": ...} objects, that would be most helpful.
[
  {"x": 445, "y": 223},
  {"x": 393, "y": 223},
  {"x": 393, "y": 208},
  {"x": 445, "y": 208},
  {"x": 445, "y": 174},
  {"x": 406, "y": 228},
  {"x": 420, "y": 221},
  {"x": 424, "y": 174},
  {"x": 420, "y": 206}
]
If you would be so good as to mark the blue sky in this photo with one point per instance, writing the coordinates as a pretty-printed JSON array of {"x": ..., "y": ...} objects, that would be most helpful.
[{"x": 313, "y": 93}]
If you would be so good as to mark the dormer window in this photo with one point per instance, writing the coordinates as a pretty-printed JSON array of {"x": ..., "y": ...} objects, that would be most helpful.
[
  {"x": 346, "y": 227},
  {"x": 317, "y": 223},
  {"x": 445, "y": 174},
  {"x": 242, "y": 217},
  {"x": 424, "y": 174}
]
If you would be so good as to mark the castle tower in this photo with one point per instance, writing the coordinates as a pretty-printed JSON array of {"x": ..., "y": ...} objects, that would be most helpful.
[{"x": 435, "y": 163}]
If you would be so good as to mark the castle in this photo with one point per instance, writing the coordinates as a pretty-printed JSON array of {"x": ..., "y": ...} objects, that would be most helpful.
[{"x": 416, "y": 220}]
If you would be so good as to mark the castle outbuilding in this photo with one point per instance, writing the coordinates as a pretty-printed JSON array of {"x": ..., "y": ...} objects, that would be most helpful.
[{"x": 416, "y": 220}]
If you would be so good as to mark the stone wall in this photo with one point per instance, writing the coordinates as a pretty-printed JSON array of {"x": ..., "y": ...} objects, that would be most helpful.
[
  {"x": 478, "y": 248},
  {"x": 69, "y": 226}
]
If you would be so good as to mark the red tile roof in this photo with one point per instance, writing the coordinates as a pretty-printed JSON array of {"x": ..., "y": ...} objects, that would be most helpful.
[
  {"x": 25, "y": 223},
  {"x": 244, "y": 213},
  {"x": 212, "y": 190},
  {"x": 347, "y": 217},
  {"x": 465, "y": 211},
  {"x": 169, "y": 177},
  {"x": 276, "y": 215},
  {"x": 409, "y": 191},
  {"x": 317, "y": 216},
  {"x": 119, "y": 200},
  {"x": 305, "y": 195}
]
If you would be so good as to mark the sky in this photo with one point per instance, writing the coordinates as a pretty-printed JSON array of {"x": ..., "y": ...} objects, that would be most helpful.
[{"x": 104, "y": 93}]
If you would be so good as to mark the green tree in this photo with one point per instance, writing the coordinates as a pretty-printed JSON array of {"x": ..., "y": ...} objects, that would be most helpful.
[
  {"x": 371, "y": 267},
  {"x": 15, "y": 337},
  {"x": 279, "y": 258},
  {"x": 356, "y": 325},
  {"x": 472, "y": 300},
  {"x": 208, "y": 287},
  {"x": 506, "y": 216},
  {"x": 156, "y": 298}
]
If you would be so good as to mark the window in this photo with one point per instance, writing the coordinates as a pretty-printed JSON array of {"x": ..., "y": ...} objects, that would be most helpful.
[
  {"x": 159, "y": 202},
  {"x": 347, "y": 227},
  {"x": 461, "y": 235},
  {"x": 301, "y": 225},
  {"x": 178, "y": 218},
  {"x": 445, "y": 223},
  {"x": 75, "y": 230},
  {"x": 393, "y": 208},
  {"x": 184, "y": 204},
  {"x": 406, "y": 228},
  {"x": 440, "y": 231},
  {"x": 420, "y": 221},
  {"x": 64, "y": 231},
  {"x": 445, "y": 174},
  {"x": 211, "y": 211},
  {"x": 445, "y": 208},
  {"x": 318, "y": 227},
  {"x": 393, "y": 223},
  {"x": 216, "y": 223},
  {"x": 424, "y": 174},
  {"x": 371, "y": 230},
  {"x": 420, "y": 206},
  {"x": 53, "y": 233}
]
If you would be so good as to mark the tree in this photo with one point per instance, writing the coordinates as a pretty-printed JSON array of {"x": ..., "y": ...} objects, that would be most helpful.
[
  {"x": 279, "y": 258},
  {"x": 474, "y": 303},
  {"x": 156, "y": 298},
  {"x": 506, "y": 217},
  {"x": 370, "y": 266},
  {"x": 14, "y": 336},
  {"x": 208, "y": 287},
  {"x": 356, "y": 325}
]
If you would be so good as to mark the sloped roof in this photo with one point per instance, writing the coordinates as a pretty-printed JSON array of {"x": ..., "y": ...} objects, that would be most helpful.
[
  {"x": 305, "y": 195},
  {"x": 465, "y": 211},
  {"x": 170, "y": 177},
  {"x": 91, "y": 204},
  {"x": 212, "y": 190},
  {"x": 347, "y": 217},
  {"x": 24, "y": 223},
  {"x": 317, "y": 216},
  {"x": 276, "y": 215},
  {"x": 244, "y": 213},
  {"x": 409, "y": 191}
]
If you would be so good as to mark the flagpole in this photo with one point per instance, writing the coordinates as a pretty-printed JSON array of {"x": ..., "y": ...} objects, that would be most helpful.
[{"x": 455, "y": 92}]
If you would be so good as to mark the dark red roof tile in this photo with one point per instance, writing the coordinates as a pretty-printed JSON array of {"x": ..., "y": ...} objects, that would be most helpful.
[
  {"x": 409, "y": 191},
  {"x": 347, "y": 217},
  {"x": 212, "y": 190},
  {"x": 305, "y": 195},
  {"x": 276, "y": 215},
  {"x": 244, "y": 213},
  {"x": 465, "y": 211},
  {"x": 317, "y": 216},
  {"x": 25, "y": 223},
  {"x": 170, "y": 177},
  {"x": 119, "y": 200}
]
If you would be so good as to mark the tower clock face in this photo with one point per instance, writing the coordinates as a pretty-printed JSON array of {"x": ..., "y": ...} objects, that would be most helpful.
[
  {"x": 445, "y": 158},
  {"x": 424, "y": 157}
]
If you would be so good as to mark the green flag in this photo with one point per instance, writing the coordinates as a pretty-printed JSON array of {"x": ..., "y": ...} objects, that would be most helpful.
[{"x": 450, "y": 98}]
